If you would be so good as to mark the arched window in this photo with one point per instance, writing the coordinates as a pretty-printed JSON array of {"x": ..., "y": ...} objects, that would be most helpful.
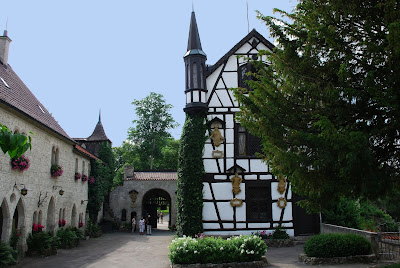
[
  {"x": 195, "y": 80},
  {"x": 57, "y": 157},
  {"x": 40, "y": 218},
  {"x": 35, "y": 217},
  {"x": 53, "y": 155},
  {"x": 60, "y": 214},
  {"x": 187, "y": 77},
  {"x": 76, "y": 165},
  {"x": 201, "y": 77},
  {"x": 83, "y": 168},
  {"x": 123, "y": 215}
]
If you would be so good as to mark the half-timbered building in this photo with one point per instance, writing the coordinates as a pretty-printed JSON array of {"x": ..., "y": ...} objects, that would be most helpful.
[{"x": 240, "y": 194}]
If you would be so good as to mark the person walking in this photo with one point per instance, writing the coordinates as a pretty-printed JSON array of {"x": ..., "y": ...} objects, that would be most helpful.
[
  {"x": 133, "y": 224},
  {"x": 142, "y": 224},
  {"x": 148, "y": 222},
  {"x": 162, "y": 217}
]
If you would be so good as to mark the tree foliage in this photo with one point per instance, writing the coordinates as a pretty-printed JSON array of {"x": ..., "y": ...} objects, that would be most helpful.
[
  {"x": 327, "y": 104},
  {"x": 151, "y": 126},
  {"x": 190, "y": 173}
]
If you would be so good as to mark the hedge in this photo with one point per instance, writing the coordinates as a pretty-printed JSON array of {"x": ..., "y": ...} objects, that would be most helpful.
[
  {"x": 337, "y": 245},
  {"x": 187, "y": 250}
]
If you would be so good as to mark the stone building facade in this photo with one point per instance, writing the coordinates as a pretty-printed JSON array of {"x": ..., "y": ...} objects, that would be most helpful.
[
  {"x": 142, "y": 193},
  {"x": 48, "y": 199}
]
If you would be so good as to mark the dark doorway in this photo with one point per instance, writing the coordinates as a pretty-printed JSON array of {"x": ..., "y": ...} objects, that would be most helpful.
[
  {"x": 1, "y": 222},
  {"x": 15, "y": 219},
  {"x": 304, "y": 224},
  {"x": 154, "y": 199}
]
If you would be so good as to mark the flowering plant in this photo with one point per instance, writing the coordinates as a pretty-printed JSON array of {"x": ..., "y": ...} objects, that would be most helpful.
[
  {"x": 80, "y": 224},
  {"x": 61, "y": 223},
  {"x": 56, "y": 170},
  {"x": 37, "y": 228},
  {"x": 84, "y": 177},
  {"x": 92, "y": 180},
  {"x": 22, "y": 163},
  {"x": 78, "y": 176},
  {"x": 186, "y": 250}
]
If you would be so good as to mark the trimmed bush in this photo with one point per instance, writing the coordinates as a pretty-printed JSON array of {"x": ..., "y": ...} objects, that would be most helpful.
[
  {"x": 187, "y": 250},
  {"x": 6, "y": 255},
  {"x": 337, "y": 245},
  {"x": 69, "y": 237},
  {"x": 42, "y": 243}
]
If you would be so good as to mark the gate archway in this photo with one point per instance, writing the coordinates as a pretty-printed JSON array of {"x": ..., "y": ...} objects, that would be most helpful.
[{"x": 156, "y": 199}]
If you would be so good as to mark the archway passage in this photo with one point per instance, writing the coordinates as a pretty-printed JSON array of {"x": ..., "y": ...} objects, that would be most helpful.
[{"x": 154, "y": 200}]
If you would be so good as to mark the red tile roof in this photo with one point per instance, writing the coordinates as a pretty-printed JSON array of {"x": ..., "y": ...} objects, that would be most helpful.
[
  {"x": 82, "y": 150},
  {"x": 154, "y": 176},
  {"x": 19, "y": 97}
]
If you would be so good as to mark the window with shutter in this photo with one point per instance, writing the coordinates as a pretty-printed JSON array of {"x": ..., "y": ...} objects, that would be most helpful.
[{"x": 258, "y": 201}]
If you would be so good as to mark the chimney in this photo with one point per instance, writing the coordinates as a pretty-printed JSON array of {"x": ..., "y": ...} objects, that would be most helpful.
[
  {"x": 128, "y": 172},
  {"x": 4, "y": 47}
]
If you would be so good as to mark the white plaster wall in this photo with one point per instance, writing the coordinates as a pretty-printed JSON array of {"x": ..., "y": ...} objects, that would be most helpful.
[
  {"x": 231, "y": 64},
  {"x": 225, "y": 211},
  {"x": 230, "y": 79},
  {"x": 244, "y": 163},
  {"x": 241, "y": 212},
  {"x": 222, "y": 190},
  {"x": 259, "y": 225},
  {"x": 206, "y": 191},
  {"x": 257, "y": 165},
  {"x": 211, "y": 225},
  {"x": 210, "y": 166},
  {"x": 276, "y": 212},
  {"x": 209, "y": 213},
  {"x": 211, "y": 79},
  {"x": 244, "y": 49}
]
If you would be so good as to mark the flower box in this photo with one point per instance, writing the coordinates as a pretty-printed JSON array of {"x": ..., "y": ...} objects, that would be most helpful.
[
  {"x": 61, "y": 223},
  {"x": 56, "y": 171},
  {"x": 84, "y": 178},
  {"x": 78, "y": 176},
  {"x": 21, "y": 163}
]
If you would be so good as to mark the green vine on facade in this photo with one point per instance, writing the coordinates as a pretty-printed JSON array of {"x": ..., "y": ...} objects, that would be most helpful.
[
  {"x": 103, "y": 171},
  {"x": 190, "y": 174}
]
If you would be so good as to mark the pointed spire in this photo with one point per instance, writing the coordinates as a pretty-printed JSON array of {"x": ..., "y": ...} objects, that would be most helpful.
[
  {"x": 100, "y": 116},
  {"x": 98, "y": 133},
  {"x": 194, "y": 43}
]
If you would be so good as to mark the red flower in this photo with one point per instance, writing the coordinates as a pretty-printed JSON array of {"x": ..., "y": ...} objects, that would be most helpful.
[{"x": 80, "y": 224}]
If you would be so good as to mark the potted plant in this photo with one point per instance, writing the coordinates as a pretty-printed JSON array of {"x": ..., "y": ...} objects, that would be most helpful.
[
  {"x": 21, "y": 163},
  {"x": 78, "y": 176},
  {"x": 84, "y": 178},
  {"x": 56, "y": 171}
]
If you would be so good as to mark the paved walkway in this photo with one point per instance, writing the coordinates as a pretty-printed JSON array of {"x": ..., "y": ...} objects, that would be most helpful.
[{"x": 122, "y": 249}]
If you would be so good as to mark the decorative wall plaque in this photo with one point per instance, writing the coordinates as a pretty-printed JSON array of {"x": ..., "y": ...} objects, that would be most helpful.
[
  {"x": 217, "y": 137},
  {"x": 236, "y": 183},
  {"x": 236, "y": 202},
  {"x": 133, "y": 194},
  {"x": 217, "y": 154},
  {"x": 282, "y": 202},
  {"x": 281, "y": 184}
]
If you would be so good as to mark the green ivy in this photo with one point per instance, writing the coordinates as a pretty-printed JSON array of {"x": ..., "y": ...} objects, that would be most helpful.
[{"x": 190, "y": 174}]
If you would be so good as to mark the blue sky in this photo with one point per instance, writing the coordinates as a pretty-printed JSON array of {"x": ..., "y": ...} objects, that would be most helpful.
[{"x": 81, "y": 56}]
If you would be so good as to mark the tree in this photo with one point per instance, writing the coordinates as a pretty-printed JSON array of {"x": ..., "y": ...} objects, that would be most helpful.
[
  {"x": 327, "y": 104},
  {"x": 152, "y": 125}
]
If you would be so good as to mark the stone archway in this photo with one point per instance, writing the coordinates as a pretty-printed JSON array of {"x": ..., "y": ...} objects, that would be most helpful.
[
  {"x": 50, "y": 223},
  {"x": 19, "y": 215},
  {"x": 155, "y": 199},
  {"x": 4, "y": 221}
]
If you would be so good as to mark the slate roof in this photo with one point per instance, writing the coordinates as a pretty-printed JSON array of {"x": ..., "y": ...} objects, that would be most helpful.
[
  {"x": 194, "y": 43},
  {"x": 18, "y": 96},
  {"x": 154, "y": 176},
  {"x": 253, "y": 33},
  {"x": 98, "y": 133}
]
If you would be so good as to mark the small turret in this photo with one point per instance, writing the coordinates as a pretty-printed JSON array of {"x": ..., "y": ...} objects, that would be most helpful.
[{"x": 195, "y": 59}]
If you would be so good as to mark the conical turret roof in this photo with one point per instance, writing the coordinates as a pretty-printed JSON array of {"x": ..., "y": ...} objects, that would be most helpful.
[
  {"x": 194, "y": 43},
  {"x": 98, "y": 133}
]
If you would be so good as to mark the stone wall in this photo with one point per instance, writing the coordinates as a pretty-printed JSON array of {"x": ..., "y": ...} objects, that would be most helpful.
[
  {"x": 371, "y": 236},
  {"x": 38, "y": 181},
  {"x": 120, "y": 198}
]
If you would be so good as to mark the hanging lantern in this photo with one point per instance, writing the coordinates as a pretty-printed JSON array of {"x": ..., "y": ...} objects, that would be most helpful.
[
  {"x": 24, "y": 191},
  {"x": 61, "y": 192}
]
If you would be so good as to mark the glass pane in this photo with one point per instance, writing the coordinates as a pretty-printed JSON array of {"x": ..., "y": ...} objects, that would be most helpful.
[{"x": 242, "y": 144}]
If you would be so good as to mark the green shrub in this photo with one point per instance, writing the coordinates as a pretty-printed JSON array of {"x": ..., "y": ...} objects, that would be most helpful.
[
  {"x": 42, "y": 243},
  {"x": 345, "y": 213},
  {"x": 6, "y": 255},
  {"x": 375, "y": 219},
  {"x": 69, "y": 237},
  {"x": 337, "y": 245},
  {"x": 93, "y": 229},
  {"x": 394, "y": 265},
  {"x": 185, "y": 250}
]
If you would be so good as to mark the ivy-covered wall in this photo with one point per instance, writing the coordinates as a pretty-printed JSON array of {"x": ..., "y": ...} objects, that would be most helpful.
[{"x": 190, "y": 174}]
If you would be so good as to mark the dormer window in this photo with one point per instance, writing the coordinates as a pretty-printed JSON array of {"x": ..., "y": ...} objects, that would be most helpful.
[
  {"x": 247, "y": 145},
  {"x": 243, "y": 75}
]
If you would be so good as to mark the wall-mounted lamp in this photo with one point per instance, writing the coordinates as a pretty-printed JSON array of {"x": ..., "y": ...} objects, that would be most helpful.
[
  {"x": 23, "y": 191},
  {"x": 83, "y": 201},
  {"x": 40, "y": 202},
  {"x": 61, "y": 192}
]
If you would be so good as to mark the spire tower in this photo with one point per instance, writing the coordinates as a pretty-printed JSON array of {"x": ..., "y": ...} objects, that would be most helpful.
[{"x": 195, "y": 59}]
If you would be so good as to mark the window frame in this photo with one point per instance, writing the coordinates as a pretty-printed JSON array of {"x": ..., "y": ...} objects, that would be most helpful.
[{"x": 250, "y": 209}]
